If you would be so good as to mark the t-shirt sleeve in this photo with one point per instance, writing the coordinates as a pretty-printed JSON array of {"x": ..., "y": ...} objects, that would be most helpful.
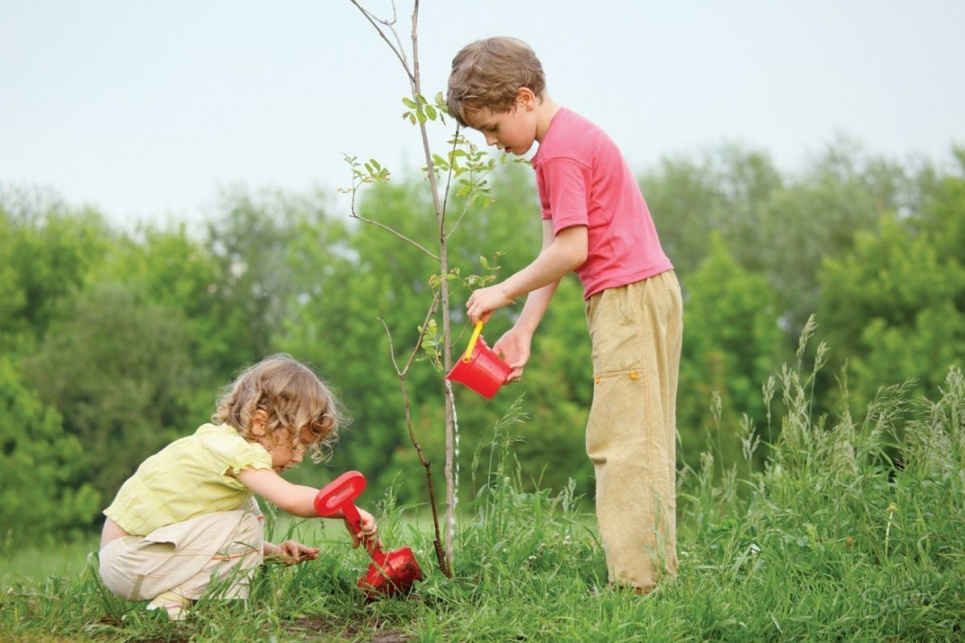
[
  {"x": 235, "y": 453},
  {"x": 564, "y": 192}
]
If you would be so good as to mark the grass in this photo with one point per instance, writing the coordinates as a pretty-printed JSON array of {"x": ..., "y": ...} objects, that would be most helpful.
[
  {"x": 831, "y": 539},
  {"x": 26, "y": 563}
]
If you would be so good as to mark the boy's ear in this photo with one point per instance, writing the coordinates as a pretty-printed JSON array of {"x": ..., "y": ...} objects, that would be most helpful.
[
  {"x": 259, "y": 421},
  {"x": 526, "y": 99}
]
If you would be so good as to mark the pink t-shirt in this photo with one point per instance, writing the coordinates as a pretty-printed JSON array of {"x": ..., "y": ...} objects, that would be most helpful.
[{"x": 583, "y": 179}]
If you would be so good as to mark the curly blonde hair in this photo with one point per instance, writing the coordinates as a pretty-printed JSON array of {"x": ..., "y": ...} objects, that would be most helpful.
[
  {"x": 489, "y": 74},
  {"x": 293, "y": 397}
]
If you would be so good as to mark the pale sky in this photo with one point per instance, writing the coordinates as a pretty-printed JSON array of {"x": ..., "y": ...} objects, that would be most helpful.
[{"x": 146, "y": 110}]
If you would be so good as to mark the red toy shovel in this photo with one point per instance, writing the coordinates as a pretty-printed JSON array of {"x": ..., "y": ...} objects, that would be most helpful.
[{"x": 390, "y": 573}]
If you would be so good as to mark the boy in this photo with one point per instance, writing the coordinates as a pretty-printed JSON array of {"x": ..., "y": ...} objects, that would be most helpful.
[{"x": 596, "y": 223}]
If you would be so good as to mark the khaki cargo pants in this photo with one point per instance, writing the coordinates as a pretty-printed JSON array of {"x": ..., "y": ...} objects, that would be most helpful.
[{"x": 636, "y": 332}]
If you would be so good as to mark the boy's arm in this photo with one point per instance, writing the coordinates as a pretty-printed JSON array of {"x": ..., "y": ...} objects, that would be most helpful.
[
  {"x": 539, "y": 300},
  {"x": 514, "y": 345},
  {"x": 561, "y": 254}
]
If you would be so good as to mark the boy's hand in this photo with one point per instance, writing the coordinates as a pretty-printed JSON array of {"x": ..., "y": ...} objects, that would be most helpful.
[
  {"x": 369, "y": 534},
  {"x": 292, "y": 552},
  {"x": 514, "y": 347},
  {"x": 485, "y": 300}
]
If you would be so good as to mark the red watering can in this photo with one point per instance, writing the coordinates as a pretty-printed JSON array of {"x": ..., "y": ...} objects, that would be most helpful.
[
  {"x": 390, "y": 573},
  {"x": 480, "y": 368}
]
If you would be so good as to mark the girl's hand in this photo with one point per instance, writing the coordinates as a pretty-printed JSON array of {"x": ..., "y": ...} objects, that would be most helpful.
[
  {"x": 369, "y": 534},
  {"x": 291, "y": 552}
]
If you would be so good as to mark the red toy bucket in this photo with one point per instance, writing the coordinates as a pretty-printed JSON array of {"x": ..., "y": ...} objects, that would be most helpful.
[{"x": 480, "y": 368}]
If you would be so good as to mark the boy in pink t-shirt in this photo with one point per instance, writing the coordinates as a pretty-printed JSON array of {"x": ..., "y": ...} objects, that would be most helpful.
[{"x": 596, "y": 223}]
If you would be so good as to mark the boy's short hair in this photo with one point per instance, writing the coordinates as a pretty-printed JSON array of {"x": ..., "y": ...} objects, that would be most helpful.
[
  {"x": 293, "y": 397},
  {"x": 489, "y": 74}
]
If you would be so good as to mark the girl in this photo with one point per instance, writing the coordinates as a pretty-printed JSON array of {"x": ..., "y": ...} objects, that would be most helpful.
[{"x": 188, "y": 519}]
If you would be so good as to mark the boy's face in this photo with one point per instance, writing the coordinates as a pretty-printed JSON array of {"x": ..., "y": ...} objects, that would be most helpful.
[{"x": 512, "y": 131}]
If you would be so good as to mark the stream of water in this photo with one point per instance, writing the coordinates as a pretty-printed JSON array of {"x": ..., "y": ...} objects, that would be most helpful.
[{"x": 455, "y": 457}]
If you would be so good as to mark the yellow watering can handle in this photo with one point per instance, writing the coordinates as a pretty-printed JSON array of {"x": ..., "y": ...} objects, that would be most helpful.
[{"x": 472, "y": 341}]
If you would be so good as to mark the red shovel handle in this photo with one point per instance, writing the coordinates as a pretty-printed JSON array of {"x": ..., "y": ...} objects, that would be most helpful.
[{"x": 339, "y": 495}]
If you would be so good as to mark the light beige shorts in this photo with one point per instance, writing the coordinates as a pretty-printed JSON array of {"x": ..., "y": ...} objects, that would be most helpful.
[{"x": 219, "y": 550}]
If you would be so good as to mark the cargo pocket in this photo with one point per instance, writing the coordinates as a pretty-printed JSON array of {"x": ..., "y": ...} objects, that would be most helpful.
[
  {"x": 169, "y": 536},
  {"x": 615, "y": 394}
]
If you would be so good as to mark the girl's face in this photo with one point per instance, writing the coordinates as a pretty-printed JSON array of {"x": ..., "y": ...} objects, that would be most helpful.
[{"x": 279, "y": 446}]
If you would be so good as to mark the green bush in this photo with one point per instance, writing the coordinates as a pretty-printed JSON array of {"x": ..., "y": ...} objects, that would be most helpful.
[{"x": 40, "y": 495}]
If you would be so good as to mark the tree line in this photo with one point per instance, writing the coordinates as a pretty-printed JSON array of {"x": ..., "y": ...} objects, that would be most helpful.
[{"x": 114, "y": 342}]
